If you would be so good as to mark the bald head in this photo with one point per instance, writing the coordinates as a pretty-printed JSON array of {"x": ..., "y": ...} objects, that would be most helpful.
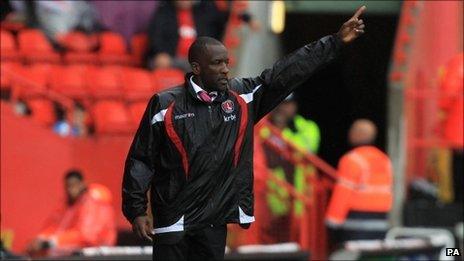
[
  {"x": 362, "y": 132},
  {"x": 198, "y": 49}
]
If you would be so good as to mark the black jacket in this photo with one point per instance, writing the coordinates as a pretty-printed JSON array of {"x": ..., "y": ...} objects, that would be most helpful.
[{"x": 198, "y": 158}]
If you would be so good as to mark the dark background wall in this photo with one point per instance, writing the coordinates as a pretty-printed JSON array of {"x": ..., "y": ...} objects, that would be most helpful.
[{"x": 354, "y": 86}]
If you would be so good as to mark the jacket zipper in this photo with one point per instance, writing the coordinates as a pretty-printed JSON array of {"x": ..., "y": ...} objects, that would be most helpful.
[
  {"x": 214, "y": 154},
  {"x": 211, "y": 123},
  {"x": 210, "y": 115}
]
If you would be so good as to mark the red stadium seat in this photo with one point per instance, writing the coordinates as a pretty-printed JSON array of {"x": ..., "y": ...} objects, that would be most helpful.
[
  {"x": 138, "y": 47},
  {"x": 33, "y": 81},
  {"x": 34, "y": 46},
  {"x": 13, "y": 26},
  {"x": 136, "y": 111},
  {"x": 111, "y": 117},
  {"x": 82, "y": 58},
  {"x": 8, "y": 46},
  {"x": 167, "y": 78},
  {"x": 231, "y": 41},
  {"x": 7, "y": 68},
  {"x": 42, "y": 111},
  {"x": 69, "y": 81},
  {"x": 113, "y": 49},
  {"x": 104, "y": 82},
  {"x": 137, "y": 84},
  {"x": 79, "y": 48},
  {"x": 78, "y": 42}
]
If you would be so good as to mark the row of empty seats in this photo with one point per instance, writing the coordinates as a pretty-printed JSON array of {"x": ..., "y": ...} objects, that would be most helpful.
[
  {"x": 31, "y": 45},
  {"x": 87, "y": 81},
  {"x": 92, "y": 69},
  {"x": 107, "y": 117}
]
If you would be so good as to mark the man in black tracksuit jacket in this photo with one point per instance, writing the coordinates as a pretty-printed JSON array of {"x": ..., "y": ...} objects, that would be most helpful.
[{"x": 194, "y": 146}]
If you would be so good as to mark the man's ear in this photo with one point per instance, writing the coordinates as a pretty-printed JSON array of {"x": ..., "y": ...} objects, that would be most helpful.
[{"x": 195, "y": 68}]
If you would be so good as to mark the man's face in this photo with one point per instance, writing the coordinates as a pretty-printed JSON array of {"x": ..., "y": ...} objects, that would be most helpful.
[
  {"x": 214, "y": 68},
  {"x": 74, "y": 187},
  {"x": 288, "y": 108}
]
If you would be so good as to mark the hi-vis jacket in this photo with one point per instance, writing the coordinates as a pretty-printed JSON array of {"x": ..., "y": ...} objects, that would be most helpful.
[
  {"x": 197, "y": 157},
  {"x": 88, "y": 222},
  {"x": 364, "y": 185}
]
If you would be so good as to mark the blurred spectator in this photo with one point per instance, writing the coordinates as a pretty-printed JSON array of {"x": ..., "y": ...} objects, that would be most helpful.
[
  {"x": 125, "y": 17},
  {"x": 21, "y": 108},
  {"x": 451, "y": 108},
  {"x": 86, "y": 220},
  {"x": 5, "y": 9},
  {"x": 303, "y": 134},
  {"x": 176, "y": 24},
  {"x": 78, "y": 125},
  {"x": 21, "y": 11},
  {"x": 56, "y": 18},
  {"x": 362, "y": 196},
  {"x": 80, "y": 119}
]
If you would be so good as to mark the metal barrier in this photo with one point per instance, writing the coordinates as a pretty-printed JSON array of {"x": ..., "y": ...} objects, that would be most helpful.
[
  {"x": 438, "y": 237},
  {"x": 312, "y": 234}
]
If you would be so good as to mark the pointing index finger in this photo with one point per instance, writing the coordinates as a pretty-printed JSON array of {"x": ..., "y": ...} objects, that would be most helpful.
[{"x": 359, "y": 12}]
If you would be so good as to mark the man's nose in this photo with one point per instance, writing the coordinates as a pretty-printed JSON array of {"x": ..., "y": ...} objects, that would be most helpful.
[{"x": 225, "y": 69}]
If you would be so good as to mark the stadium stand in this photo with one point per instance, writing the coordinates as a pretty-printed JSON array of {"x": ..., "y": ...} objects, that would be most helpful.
[
  {"x": 137, "y": 84},
  {"x": 111, "y": 117},
  {"x": 113, "y": 49},
  {"x": 165, "y": 78},
  {"x": 34, "y": 47},
  {"x": 42, "y": 111},
  {"x": 136, "y": 111},
  {"x": 138, "y": 47},
  {"x": 8, "y": 46},
  {"x": 69, "y": 80},
  {"x": 36, "y": 83},
  {"x": 6, "y": 79},
  {"x": 103, "y": 82},
  {"x": 80, "y": 48}
]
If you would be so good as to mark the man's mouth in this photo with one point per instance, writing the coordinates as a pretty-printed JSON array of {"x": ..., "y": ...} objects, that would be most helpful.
[{"x": 224, "y": 80}]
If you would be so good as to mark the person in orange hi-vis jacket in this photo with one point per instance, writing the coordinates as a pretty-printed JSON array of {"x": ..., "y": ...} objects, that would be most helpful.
[
  {"x": 86, "y": 220},
  {"x": 362, "y": 196},
  {"x": 451, "y": 107}
]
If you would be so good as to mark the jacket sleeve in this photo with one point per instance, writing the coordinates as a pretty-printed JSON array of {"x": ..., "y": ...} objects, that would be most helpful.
[
  {"x": 276, "y": 83},
  {"x": 139, "y": 169},
  {"x": 96, "y": 224}
]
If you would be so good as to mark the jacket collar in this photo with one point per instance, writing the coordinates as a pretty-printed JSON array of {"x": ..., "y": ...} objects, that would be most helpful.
[
  {"x": 198, "y": 89},
  {"x": 193, "y": 88}
]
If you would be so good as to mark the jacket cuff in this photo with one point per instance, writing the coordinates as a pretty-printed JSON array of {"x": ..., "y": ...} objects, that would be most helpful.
[
  {"x": 131, "y": 220},
  {"x": 338, "y": 41}
]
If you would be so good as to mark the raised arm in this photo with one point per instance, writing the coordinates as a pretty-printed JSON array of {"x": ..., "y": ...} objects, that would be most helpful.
[{"x": 274, "y": 84}]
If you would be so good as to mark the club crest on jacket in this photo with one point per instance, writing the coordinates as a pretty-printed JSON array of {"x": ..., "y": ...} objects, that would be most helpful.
[{"x": 228, "y": 106}]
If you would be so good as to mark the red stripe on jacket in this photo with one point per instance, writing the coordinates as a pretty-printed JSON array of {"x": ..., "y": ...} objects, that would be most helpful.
[
  {"x": 174, "y": 137},
  {"x": 243, "y": 126}
]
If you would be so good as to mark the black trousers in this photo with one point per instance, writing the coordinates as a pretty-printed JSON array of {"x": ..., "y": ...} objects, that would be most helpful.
[{"x": 203, "y": 244}]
